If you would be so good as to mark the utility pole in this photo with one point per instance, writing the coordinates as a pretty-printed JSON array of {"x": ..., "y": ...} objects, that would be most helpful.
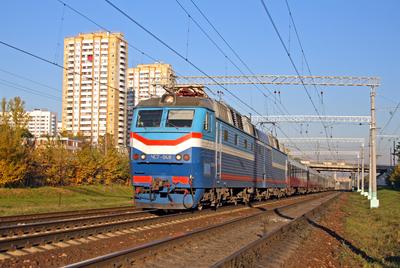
[
  {"x": 394, "y": 152},
  {"x": 362, "y": 171},
  {"x": 374, "y": 203},
  {"x": 370, "y": 166},
  {"x": 358, "y": 173}
]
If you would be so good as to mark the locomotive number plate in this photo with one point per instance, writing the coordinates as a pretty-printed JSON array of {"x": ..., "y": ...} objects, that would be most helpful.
[{"x": 161, "y": 157}]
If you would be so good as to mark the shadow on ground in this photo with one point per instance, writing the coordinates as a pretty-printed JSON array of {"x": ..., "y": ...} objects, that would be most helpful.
[{"x": 345, "y": 242}]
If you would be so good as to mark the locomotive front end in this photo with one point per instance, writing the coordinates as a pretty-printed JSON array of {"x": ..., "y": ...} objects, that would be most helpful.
[{"x": 165, "y": 156}]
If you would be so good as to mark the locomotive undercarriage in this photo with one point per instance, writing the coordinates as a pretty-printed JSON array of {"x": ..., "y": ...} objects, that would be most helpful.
[{"x": 218, "y": 196}]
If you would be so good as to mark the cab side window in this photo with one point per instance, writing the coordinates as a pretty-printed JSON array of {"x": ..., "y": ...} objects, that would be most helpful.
[{"x": 207, "y": 122}]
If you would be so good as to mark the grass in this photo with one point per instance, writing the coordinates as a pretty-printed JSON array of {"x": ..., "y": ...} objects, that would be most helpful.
[
  {"x": 374, "y": 231},
  {"x": 52, "y": 199}
]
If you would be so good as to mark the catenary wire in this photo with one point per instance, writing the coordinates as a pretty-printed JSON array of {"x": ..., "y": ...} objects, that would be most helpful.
[
  {"x": 217, "y": 46},
  {"x": 234, "y": 52},
  {"x": 295, "y": 68},
  {"x": 28, "y": 90},
  {"x": 301, "y": 47},
  {"x": 283, "y": 110},
  {"x": 28, "y": 79},
  {"x": 178, "y": 54},
  {"x": 107, "y": 30}
]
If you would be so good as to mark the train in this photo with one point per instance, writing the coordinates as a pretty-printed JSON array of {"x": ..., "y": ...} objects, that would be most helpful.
[{"x": 189, "y": 151}]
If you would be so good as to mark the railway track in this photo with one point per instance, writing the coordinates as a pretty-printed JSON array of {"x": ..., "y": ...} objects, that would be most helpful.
[
  {"x": 211, "y": 245},
  {"x": 273, "y": 248},
  {"x": 26, "y": 235},
  {"x": 45, "y": 232},
  {"x": 53, "y": 216}
]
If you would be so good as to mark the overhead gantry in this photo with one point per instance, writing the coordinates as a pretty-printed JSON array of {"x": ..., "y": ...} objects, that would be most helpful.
[{"x": 342, "y": 81}]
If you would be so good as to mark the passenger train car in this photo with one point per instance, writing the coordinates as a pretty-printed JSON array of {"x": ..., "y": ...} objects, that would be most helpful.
[{"x": 187, "y": 152}]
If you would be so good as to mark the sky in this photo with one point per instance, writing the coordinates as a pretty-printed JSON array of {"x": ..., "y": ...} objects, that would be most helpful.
[{"x": 350, "y": 38}]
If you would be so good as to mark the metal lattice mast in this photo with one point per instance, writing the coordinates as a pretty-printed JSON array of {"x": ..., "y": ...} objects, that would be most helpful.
[
  {"x": 342, "y": 153},
  {"x": 280, "y": 80},
  {"x": 311, "y": 119},
  {"x": 322, "y": 139}
]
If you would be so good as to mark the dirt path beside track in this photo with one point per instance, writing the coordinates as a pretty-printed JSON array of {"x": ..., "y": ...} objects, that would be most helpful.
[{"x": 322, "y": 241}]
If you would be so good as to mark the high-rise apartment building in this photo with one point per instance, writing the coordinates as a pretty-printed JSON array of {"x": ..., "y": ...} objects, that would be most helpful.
[
  {"x": 146, "y": 81},
  {"x": 42, "y": 123},
  {"x": 94, "y": 86}
]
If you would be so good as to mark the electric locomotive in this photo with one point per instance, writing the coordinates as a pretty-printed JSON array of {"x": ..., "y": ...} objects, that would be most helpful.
[{"x": 190, "y": 151}]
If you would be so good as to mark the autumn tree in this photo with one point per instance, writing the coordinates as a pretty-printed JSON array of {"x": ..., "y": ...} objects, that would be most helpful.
[
  {"x": 394, "y": 178},
  {"x": 115, "y": 161},
  {"x": 54, "y": 163},
  {"x": 88, "y": 165},
  {"x": 14, "y": 146}
]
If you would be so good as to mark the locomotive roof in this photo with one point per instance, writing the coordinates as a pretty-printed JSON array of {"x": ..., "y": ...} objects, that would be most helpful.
[{"x": 179, "y": 101}]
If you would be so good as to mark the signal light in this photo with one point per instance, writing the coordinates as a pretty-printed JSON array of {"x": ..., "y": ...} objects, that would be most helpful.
[
  {"x": 143, "y": 156},
  {"x": 186, "y": 157},
  {"x": 135, "y": 156},
  {"x": 178, "y": 157}
]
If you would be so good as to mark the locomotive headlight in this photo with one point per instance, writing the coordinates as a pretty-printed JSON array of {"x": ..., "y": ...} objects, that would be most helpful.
[
  {"x": 186, "y": 157},
  {"x": 143, "y": 156},
  {"x": 169, "y": 99},
  {"x": 178, "y": 157}
]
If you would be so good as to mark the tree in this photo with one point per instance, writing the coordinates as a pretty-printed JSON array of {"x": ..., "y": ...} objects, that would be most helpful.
[
  {"x": 115, "y": 163},
  {"x": 88, "y": 165},
  {"x": 54, "y": 163},
  {"x": 18, "y": 116},
  {"x": 394, "y": 178},
  {"x": 15, "y": 151},
  {"x": 397, "y": 152}
]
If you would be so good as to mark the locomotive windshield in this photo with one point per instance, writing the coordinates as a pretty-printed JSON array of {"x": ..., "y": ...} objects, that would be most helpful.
[
  {"x": 149, "y": 118},
  {"x": 180, "y": 118}
]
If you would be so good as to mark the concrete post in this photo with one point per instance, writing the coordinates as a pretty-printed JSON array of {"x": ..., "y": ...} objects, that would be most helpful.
[
  {"x": 358, "y": 173},
  {"x": 370, "y": 169},
  {"x": 362, "y": 170},
  {"x": 374, "y": 197}
]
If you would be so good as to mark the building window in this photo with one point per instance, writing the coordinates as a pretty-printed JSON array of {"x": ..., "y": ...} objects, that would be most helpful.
[
  {"x": 245, "y": 143},
  {"x": 236, "y": 139}
]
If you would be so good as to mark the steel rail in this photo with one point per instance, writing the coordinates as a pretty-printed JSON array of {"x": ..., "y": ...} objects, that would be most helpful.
[
  {"x": 127, "y": 257},
  {"x": 69, "y": 223},
  {"x": 29, "y": 218}
]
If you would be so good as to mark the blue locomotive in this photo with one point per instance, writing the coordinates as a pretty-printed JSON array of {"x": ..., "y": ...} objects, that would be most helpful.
[{"x": 191, "y": 151}]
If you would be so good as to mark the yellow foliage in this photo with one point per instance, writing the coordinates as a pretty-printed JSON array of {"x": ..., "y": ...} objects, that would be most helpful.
[
  {"x": 395, "y": 176},
  {"x": 11, "y": 173}
]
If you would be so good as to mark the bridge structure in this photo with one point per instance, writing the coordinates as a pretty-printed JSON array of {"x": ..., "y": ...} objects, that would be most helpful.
[
  {"x": 343, "y": 81},
  {"x": 344, "y": 167}
]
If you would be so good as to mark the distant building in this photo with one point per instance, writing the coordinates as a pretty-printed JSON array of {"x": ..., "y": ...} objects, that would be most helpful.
[
  {"x": 146, "y": 81},
  {"x": 94, "y": 86},
  {"x": 59, "y": 127},
  {"x": 42, "y": 123},
  {"x": 71, "y": 144}
]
